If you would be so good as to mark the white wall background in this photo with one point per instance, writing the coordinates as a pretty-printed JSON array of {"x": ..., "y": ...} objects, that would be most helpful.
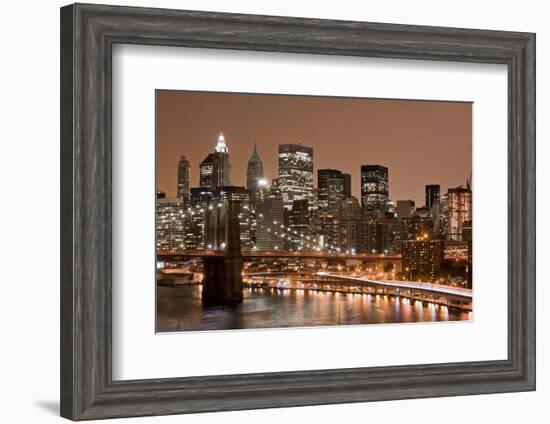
[{"x": 29, "y": 216}]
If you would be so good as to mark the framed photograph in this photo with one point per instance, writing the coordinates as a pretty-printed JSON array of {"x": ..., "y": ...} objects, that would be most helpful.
[{"x": 265, "y": 211}]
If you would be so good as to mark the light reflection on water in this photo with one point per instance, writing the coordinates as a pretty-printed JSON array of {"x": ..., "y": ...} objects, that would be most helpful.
[{"x": 180, "y": 309}]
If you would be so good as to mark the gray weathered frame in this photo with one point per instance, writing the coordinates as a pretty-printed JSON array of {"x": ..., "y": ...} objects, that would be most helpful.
[{"x": 88, "y": 33}]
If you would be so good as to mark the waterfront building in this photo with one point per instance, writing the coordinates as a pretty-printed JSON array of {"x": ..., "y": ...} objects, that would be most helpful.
[
  {"x": 169, "y": 224},
  {"x": 422, "y": 255},
  {"x": 254, "y": 175},
  {"x": 184, "y": 178},
  {"x": 432, "y": 195},
  {"x": 215, "y": 168},
  {"x": 374, "y": 189},
  {"x": 459, "y": 211},
  {"x": 295, "y": 176}
]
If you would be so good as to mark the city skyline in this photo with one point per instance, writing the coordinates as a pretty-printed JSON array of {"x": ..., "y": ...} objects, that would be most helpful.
[{"x": 427, "y": 120}]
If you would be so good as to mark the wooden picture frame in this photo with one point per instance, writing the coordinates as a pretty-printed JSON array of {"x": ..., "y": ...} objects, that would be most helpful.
[{"x": 88, "y": 33}]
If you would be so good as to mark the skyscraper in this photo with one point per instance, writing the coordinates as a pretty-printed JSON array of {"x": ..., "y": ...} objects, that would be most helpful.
[
  {"x": 215, "y": 168},
  {"x": 331, "y": 184},
  {"x": 184, "y": 176},
  {"x": 295, "y": 178},
  {"x": 299, "y": 217},
  {"x": 169, "y": 224},
  {"x": 459, "y": 211},
  {"x": 374, "y": 189},
  {"x": 432, "y": 195},
  {"x": 269, "y": 217},
  {"x": 347, "y": 185},
  {"x": 241, "y": 197},
  {"x": 254, "y": 175},
  {"x": 349, "y": 218}
]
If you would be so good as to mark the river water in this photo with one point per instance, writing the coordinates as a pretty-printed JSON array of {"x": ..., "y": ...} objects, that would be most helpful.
[{"x": 180, "y": 309}]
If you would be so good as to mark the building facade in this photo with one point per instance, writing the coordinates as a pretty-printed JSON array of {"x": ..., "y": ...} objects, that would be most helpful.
[
  {"x": 254, "y": 175},
  {"x": 184, "y": 178},
  {"x": 459, "y": 211},
  {"x": 295, "y": 176},
  {"x": 432, "y": 195},
  {"x": 270, "y": 215},
  {"x": 374, "y": 189},
  {"x": 215, "y": 169},
  {"x": 169, "y": 224}
]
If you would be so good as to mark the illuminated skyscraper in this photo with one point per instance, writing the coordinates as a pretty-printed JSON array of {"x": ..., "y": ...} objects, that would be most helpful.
[
  {"x": 374, "y": 189},
  {"x": 254, "y": 175},
  {"x": 215, "y": 169},
  {"x": 432, "y": 195},
  {"x": 459, "y": 211},
  {"x": 169, "y": 224},
  {"x": 269, "y": 218},
  {"x": 241, "y": 196},
  {"x": 295, "y": 179},
  {"x": 184, "y": 176},
  {"x": 332, "y": 187},
  {"x": 349, "y": 218}
]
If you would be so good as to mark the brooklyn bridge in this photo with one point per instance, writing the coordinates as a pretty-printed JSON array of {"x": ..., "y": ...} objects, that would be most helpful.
[{"x": 222, "y": 281}]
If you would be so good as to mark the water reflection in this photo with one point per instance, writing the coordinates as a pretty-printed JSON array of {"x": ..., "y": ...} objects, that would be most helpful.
[{"x": 180, "y": 309}]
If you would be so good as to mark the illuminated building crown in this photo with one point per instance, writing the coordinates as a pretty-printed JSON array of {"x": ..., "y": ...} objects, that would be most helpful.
[{"x": 221, "y": 147}]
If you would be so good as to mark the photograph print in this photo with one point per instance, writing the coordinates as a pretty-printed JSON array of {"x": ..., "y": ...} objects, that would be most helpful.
[{"x": 277, "y": 211}]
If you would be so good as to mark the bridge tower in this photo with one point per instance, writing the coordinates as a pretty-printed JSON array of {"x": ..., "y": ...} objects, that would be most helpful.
[{"x": 222, "y": 281}]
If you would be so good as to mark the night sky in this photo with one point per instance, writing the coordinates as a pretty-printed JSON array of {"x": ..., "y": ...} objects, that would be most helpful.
[{"x": 421, "y": 142}]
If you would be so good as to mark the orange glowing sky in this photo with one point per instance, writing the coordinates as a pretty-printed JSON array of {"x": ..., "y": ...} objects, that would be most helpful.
[{"x": 421, "y": 142}]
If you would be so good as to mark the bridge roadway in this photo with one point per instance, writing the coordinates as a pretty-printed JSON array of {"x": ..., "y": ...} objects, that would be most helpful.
[
  {"x": 457, "y": 292},
  {"x": 248, "y": 254},
  {"x": 444, "y": 295}
]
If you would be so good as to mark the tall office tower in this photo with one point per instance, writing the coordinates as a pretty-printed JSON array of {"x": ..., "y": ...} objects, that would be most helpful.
[
  {"x": 215, "y": 168},
  {"x": 459, "y": 210},
  {"x": 443, "y": 217},
  {"x": 374, "y": 189},
  {"x": 323, "y": 177},
  {"x": 349, "y": 217},
  {"x": 405, "y": 209},
  {"x": 184, "y": 177},
  {"x": 347, "y": 184},
  {"x": 331, "y": 188},
  {"x": 300, "y": 219},
  {"x": 295, "y": 179},
  {"x": 194, "y": 220},
  {"x": 432, "y": 195},
  {"x": 254, "y": 175},
  {"x": 270, "y": 215},
  {"x": 241, "y": 196},
  {"x": 325, "y": 228},
  {"x": 169, "y": 224}
]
